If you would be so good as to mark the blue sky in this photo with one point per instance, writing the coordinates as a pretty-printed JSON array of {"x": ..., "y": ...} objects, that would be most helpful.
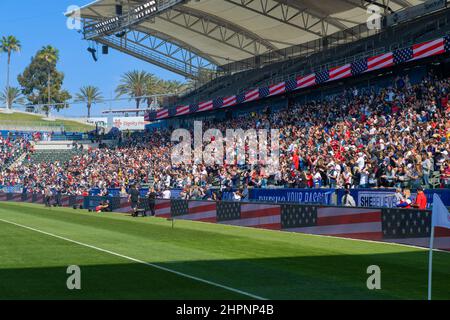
[{"x": 37, "y": 23}]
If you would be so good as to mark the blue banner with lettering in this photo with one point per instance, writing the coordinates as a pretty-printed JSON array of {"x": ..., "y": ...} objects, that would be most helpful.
[
  {"x": 319, "y": 196},
  {"x": 11, "y": 189},
  {"x": 385, "y": 197}
]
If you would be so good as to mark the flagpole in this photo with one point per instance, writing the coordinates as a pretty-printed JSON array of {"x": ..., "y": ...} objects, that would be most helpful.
[
  {"x": 430, "y": 254},
  {"x": 430, "y": 260}
]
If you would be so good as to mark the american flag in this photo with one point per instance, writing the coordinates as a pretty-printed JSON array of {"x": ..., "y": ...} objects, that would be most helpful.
[
  {"x": 359, "y": 66},
  {"x": 161, "y": 114},
  {"x": 428, "y": 49},
  {"x": 447, "y": 43},
  {"x": 205, "y": 106},
  {"x": 402, "y": 55},
  {"x": 229, "y": 101},
  {"x": 150, "y": 116},
  {"x": 204, "y": 211},
  {"x": 346, "y": 222},
  {"x": 193, "y": 108},
  {"x": 182, "y": 110},
  {"x": 252, "y": 95},
  {"x": 306, "y": 81},
  {"x": 218, "y": 103},
  {"x": 291, "y": 85},
  {"x": 380, "y": 61},
  {"x": 322, "y": 76},
  {"x": 278, "y": 88},
  {"x": 172, "y": 112},
  {"x": 264, "y": 216},
  {"x": 163, "y": 208},
  {"x": 340, "y": 72},
  {"x": 263, "y": 92},
  {"x": 240, "y": 98}
]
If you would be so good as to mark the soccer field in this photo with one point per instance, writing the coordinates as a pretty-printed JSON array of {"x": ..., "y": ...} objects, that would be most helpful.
[{"x": 127, "y": 258}]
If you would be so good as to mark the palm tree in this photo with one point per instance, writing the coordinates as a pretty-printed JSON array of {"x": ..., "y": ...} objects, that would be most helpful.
[
  {"x": 177, "y": 87},
  {"x": 9, "y": 45},
  {"x": 134, "y": 84},
  {"x": 11, "y": 95},
  {"x": 50, "y": 55},
  {"x": 90, "y": 95}
]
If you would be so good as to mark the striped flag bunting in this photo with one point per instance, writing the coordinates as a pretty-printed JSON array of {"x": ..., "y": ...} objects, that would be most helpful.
[
  {"x": 205, "y": 106},
  {"x": 340, "y": 72},
  {"x": 263, "y": 92},
  {"x": 252, "y": 95},
  {"x": 172, "y": 112},
  {"x": 162, "y": 114},
  {"x": 322, "y": 76},
  {"x": 182, "y": 110},
  {"x": 229, "y": 101},
  {"x": 263, "y": 216},
  {"x": 240, "y": 98},
  {"x": 204, "y": 211},
  {"x": 359, "y": 66},
  {"x": 403, "y": 55},
  {"x": 277, "y": 89},
  {"x": 346, "y": 222},
  {"x": 447, "y": 43},
  {"x": 218, "y": 103},
  {"x": 428, "y": 49},
  {"x": 291, "y": 85},
  {"x": 381, "y": 61},
  {"x": 150, "y": 116},
  {"x": 385, "y": 60},
  {"x": 163, "y": 208},
  {"x": 306, "y": 81},
  {"x": 193, "y": 108}
]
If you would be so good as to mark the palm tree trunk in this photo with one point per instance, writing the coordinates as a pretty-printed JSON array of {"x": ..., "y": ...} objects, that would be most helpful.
[
  {"x": 89, "y": 110},
  {"x": 138, "y": 102},
  {"x": 48, "y": 93},
  {"x": 8, "y": 106}
]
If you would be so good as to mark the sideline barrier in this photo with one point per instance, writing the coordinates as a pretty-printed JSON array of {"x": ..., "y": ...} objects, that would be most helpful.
[{"x": 405, "y": 226}]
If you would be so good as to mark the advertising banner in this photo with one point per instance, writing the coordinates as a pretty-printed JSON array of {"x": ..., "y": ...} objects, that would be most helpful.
[{"x": 130, "y": 123}]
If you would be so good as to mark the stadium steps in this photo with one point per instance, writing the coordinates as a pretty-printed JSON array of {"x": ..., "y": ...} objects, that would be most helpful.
[
  {"x": 50, "y": 156},
  {"x": 18, "y": 161}
]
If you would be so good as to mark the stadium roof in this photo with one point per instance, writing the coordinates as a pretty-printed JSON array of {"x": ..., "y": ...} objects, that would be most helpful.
[{"x": 224, "y": 31}]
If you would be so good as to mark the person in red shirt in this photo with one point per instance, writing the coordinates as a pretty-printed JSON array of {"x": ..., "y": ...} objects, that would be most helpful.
[{"x": 421, "y": 200}]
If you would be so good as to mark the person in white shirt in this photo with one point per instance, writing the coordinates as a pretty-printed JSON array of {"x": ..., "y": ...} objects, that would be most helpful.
[
  {"x": 348, "y": 200},
  {"x": 361, "y": 162},
  {"x": 166, "y": 194}
]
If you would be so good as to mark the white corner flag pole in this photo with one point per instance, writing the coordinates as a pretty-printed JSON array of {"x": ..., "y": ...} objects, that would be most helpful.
[
  {"x": 430, "y": 258},
  {"x": 440, "y": 217}
]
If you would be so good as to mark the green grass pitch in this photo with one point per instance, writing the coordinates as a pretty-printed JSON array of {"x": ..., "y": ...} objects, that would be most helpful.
[{"x": 125, "y": 258}]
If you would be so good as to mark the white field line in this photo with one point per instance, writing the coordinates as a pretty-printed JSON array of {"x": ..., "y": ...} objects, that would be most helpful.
[{"x": 139, "y": 261}]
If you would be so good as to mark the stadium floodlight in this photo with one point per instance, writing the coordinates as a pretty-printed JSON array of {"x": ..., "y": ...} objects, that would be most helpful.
[
  {"x": 145, "y": 10},
  {"x": 107, "y": 25}
]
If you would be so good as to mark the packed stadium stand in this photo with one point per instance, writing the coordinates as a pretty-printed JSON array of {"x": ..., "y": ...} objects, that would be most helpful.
[
  {"x": 395, "y": 136},
  {"x": 356, "y": 106}
]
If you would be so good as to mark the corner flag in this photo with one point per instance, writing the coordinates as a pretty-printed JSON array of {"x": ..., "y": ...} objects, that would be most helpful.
[{"x": 440, "y": 217}]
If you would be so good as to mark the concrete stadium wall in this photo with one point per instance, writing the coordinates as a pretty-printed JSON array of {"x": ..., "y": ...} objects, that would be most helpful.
[{"x": 404, "y": 226}]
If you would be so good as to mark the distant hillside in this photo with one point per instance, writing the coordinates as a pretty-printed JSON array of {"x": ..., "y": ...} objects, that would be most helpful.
[{"x": 22, "y": 121}]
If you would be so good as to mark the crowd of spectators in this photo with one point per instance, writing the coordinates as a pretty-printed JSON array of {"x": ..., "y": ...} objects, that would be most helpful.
[
  {"x": 11, "y": 149},
  {"x": 361, "y": 138}
]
